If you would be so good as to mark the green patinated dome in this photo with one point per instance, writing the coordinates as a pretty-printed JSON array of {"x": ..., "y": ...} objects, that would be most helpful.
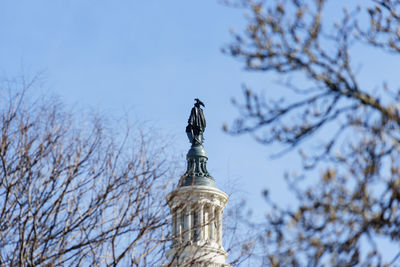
[{"x": 197, "y": 173}]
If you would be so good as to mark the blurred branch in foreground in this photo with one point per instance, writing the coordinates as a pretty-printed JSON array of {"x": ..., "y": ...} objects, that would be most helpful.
[{"x": 342, "y": 218}]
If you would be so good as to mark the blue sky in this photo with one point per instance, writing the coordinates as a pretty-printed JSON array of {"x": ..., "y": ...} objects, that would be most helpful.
[{"x": 148, "y": 59}]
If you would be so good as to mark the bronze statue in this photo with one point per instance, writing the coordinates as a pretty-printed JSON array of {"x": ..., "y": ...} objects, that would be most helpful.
[{"x": 196, "y": 124}]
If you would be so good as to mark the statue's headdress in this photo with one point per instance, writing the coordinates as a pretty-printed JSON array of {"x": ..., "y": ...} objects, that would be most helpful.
[{"x": 198, "y": 101}]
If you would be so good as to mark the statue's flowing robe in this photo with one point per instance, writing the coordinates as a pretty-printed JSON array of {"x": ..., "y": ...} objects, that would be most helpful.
[{"x": 197, "y": 121}]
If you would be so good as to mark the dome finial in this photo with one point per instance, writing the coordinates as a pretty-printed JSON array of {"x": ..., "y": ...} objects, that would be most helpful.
[
  {"x": 196, "y": 173},
  {"x": 196, "y": 124}
]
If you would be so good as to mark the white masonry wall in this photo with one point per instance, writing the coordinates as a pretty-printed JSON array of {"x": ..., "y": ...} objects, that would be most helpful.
[{"x": 197, "y": 226}]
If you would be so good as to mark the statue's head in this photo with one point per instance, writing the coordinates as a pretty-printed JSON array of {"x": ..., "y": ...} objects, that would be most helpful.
[{"x": 198, "y": 102}]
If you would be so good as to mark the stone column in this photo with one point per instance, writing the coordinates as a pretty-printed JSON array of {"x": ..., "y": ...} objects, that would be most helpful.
[
  {"x": 219, "y": 221},
  {"x": 201, "y": 223},
  {"x": 212, "y": 222},
  {"x": 206, "y": 224},
  {"x": 192, "y": 223},
  {"x": 187, "y": 223},
  {"x": 179, "y": 225},
  {"x": 174, "y": 225}
]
